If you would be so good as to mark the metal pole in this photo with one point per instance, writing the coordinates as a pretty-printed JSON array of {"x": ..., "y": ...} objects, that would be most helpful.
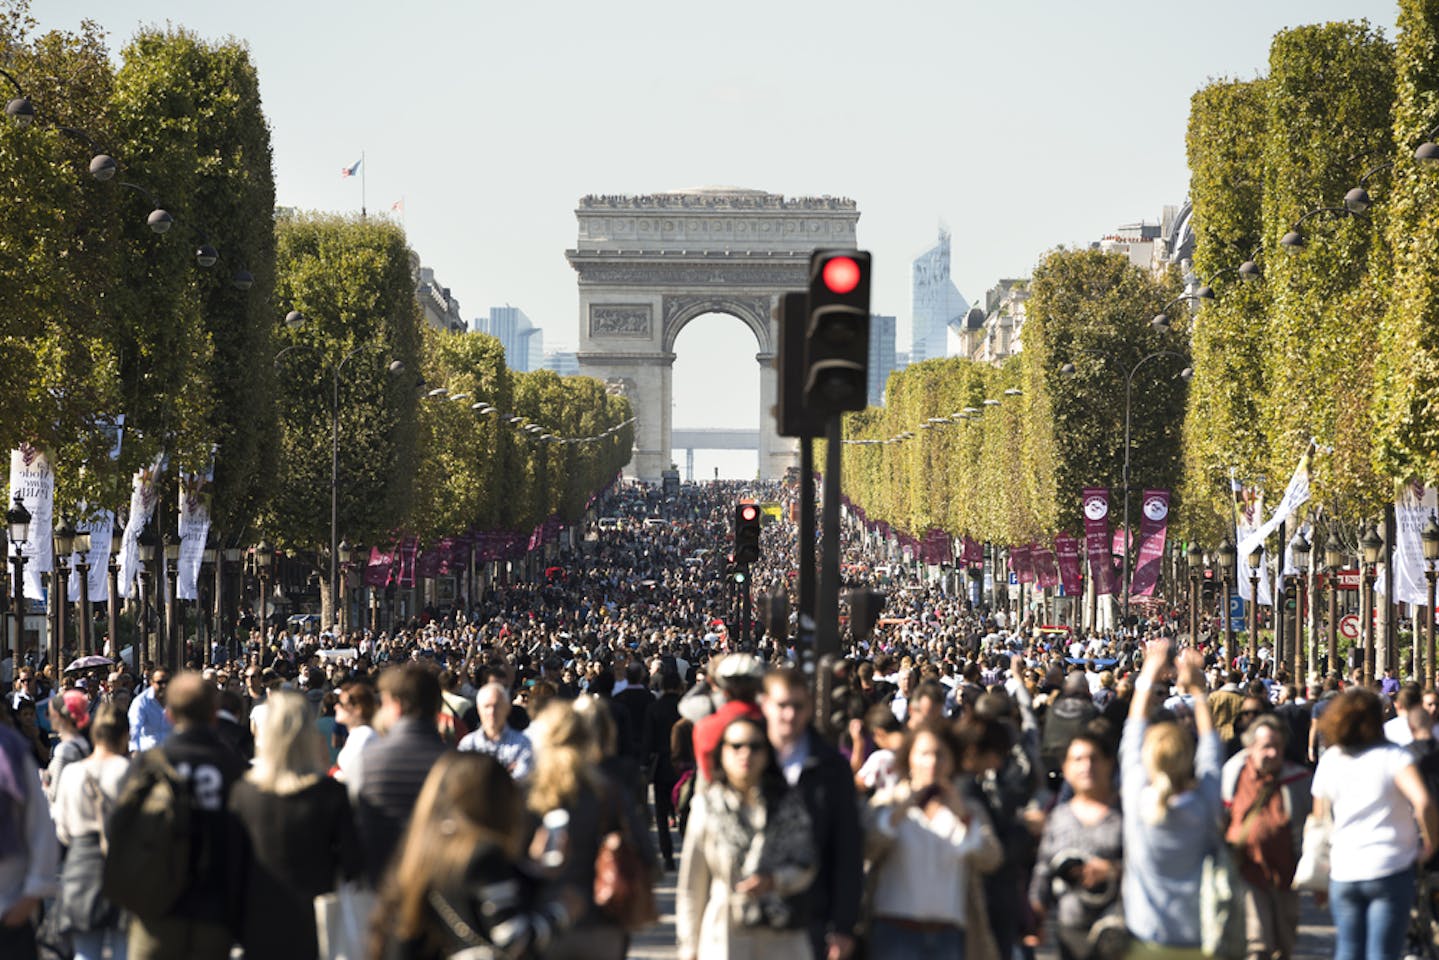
[
  {"x": 112, "y": 604},
  {"x": 84, "y": 615},
  {"x": 1228, "y": 623},
  {"x": 173, "y": 654},
  {"x": 1124, "y": 576},
  {"x": 1429, "y": 628},
  {"x": 58, "y": 603},
  {"x": 804, "y": 640},
  {"x": 1334, "y": 622},
  {"x": 334, "y": 491},
  {"x": 827, "y": 602},
  {"x": 1253, "y": 618},
  {"x": 1299, "y": 605},
  {"x": 19, "y": 561},
  {"x": 1194, "y": 595},
  {"x": 744, "y": 629},
  {"x": 1366, "y": 614}
]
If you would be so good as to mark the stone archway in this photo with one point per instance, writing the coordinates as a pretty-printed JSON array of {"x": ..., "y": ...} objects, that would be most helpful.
[{"x": 648, "y": 265}]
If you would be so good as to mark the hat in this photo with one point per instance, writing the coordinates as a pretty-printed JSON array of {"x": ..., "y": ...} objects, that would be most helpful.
[
  {"x": 738, "y": 665},
  {"x": 74, "y": 704}
]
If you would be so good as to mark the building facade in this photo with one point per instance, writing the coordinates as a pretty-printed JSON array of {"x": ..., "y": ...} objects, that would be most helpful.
[
  {"x": 881, "y": 356},
  {"x": 440, "y": 308},
  {"x": 937, "y": 304},
  {"x": 1001, "y": 335},
  {"x": 523, "y": 342},
  {"x": 564, "y": 362}
]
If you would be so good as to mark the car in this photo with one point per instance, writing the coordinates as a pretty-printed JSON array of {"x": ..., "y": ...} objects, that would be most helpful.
[
  {"x": 656, "y": 522},
  {"x": 609, "y": 523}
]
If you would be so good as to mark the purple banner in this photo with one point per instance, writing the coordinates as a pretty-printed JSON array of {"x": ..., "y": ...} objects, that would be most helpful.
[
  {"x": 409, "y": 547},
  {"x": 427, "y": 564},
  {"x": 380, "y": 570},
  {"x": 1021, "y": 563},
  {"x": 973, "y": 550},
  {"x": 1153, "y": 528},
  {"x": 1096, "y": 538},
  {"x": 1066, "y": 552},
  {"x": 1046, "y": 574}
]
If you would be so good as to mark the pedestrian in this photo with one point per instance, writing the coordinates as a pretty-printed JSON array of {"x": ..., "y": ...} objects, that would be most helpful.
[
  {"x": 29, "y": 852},
  {"x": 355, "y": 710},
  {"x": 1171, "y": 797},
  {"x": 1268, "y": 800},
  {"x": 928, "y": 847},
  {"x": 70, "y": 718},
  {"x": 149, "y": 723},
  {"x": 496, "y": 737},
  {"x": 396, "y": 765},
  {"x": 458, "y": 887},
  {"x": 748, "y": 855},
  {"x": 660, "y": 721},
  {"x": 1382, "y": 820},
  {"x": 84, "y": 796},
  {"x": 300, "y": 829}
]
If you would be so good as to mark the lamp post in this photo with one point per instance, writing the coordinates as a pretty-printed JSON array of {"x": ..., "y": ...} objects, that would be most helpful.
[
  {"x": 1333, "y": 562},
  {"x": 1227, "y": 553},
  {"x": 1300, "y": 547},
  {"x": 1160, "y": 323},
  {"x": 230, "y": 555},
  {"x": 64, "y": 542},
  {"x": 17, "y": 520},
  {"x": 146, "y": 544},
  {"x": 1195, "y": 556},
  {"x": 1372, "y": 546},
  {"x": 1429, "y": 538},
  {"x": 1256, "y": 560},
  {"x": 342, "y": 599},
  {"x": 173, "y": 632},
  {"x": 112, "y": 603},
  {"x": 82, "y": 568},
  {"x": 264, "y": 554},
  {"x": 205, "y": 638}
]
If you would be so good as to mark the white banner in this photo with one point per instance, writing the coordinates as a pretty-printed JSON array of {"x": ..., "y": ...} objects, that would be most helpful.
[
  {"x": 33, "y": 480},
  {"x": 194, "y": 528},
  {"x": 101, "y": 527},
  {"x": 144, "y": 493},
  {"x": 1248, "y": 509},
  {"x": 1295, "y": 496},
  {"x": 1414, "y": 504}
]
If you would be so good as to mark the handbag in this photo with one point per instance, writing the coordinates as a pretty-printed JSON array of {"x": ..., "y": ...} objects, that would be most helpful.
[
  {"x": 1221, "y": 906},
  {"x": 342, "y": 920},
  {"x": 1312, "y": 872},
  {"x": 622, "y": 888}
]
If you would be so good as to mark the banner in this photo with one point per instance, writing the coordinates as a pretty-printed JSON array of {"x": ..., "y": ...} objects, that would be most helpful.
[
  {"x": 1096, "y": 539},
  {"x": 1066, "y": 554},
  {"x": 380, "y": 568},
  {"x": 144, "y": 493},
  {"x": 195, "y": 493},
  {"x": 409, "y": 547},
  {"x": 32, "y": 480},
  {"x": 1295, "y": 496},
  {"x": 1021, "y": 563},
  {"x": 1414, "y": 504},
  {"x": 101, "y": 527},
  {"x": 427, "y": 564},
  {"x": 1153, "y": 529},
  {"x": 1046, "y": 574},
  {"x": 973, "y": 551},
  {"x": 1248, "y": 510}
]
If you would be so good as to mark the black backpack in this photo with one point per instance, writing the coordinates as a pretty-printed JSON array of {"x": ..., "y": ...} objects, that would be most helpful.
[{"x": 147, "y": 865}]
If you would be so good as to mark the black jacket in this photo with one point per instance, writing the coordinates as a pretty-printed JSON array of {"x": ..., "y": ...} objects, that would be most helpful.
[
  {"x": 664, "y": 713},
  {"x": 395, "y": 767},
  {"x": 217, "y": 845},
  {"x": 827, "y": 785}
]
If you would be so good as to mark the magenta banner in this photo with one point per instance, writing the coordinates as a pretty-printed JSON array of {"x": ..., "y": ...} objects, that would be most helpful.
[
  {"x": 1153, "y": 528},
  {"x": 427, "y": 564},
  {"x": 973, "y": 550},
  {"x": 1096, "y": 538},
  {"x": 380, "y": 570},
  {"x": 1066, "y": 552},
  {"x": 1021, "y": 563},
  {"x": 1046, "y": 574},
  {"x": 409, "y": 547}
]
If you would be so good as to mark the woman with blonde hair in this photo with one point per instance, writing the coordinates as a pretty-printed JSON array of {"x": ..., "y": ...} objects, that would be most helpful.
[
  {"x": 569, "y": 784},
  {"x": 1171, "y": 801},
  {"x": 457, "y": 885},
  {"x": 301, "y": 831}
]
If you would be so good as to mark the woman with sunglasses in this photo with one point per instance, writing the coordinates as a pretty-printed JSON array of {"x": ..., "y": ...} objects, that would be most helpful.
[{"x": 748, "y": 854}]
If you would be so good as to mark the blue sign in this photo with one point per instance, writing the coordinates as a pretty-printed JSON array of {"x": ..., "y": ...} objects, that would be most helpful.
[
  {"x": 1236, "y": 606},
  {"x": 1013, "y": 578}
]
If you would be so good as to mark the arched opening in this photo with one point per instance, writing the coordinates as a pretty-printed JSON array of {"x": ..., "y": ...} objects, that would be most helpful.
[{"x": 715, "y": 386}]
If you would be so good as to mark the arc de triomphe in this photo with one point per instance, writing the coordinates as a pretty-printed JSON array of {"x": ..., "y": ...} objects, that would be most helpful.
[{"x": 648, "y": 265}]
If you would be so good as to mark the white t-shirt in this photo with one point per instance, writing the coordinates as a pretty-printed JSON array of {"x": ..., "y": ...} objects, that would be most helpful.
[
  {"x": 1396, "y": 730},
  {"x": 877, "y": 772},
  {"x": 1374, "y": 834}
]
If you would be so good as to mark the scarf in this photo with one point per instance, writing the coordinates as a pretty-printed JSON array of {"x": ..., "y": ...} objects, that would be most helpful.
[
  {"x": 1259, "y": 831},
  {"x": 761, "y": 838}
]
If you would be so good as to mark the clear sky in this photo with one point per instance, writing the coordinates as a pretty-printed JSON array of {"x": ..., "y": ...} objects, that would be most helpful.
[{"x": 1020, "y": 124}]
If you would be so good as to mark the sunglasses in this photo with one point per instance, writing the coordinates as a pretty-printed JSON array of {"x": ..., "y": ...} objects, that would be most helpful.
[{"x": 751, "y": 746}]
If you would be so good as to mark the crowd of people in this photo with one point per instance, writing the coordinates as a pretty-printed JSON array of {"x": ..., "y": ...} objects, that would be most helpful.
[{"x": 512, "y": 781}]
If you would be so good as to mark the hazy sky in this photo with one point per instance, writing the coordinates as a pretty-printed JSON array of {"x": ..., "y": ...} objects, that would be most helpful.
[{"x": 1020, "y": 124}]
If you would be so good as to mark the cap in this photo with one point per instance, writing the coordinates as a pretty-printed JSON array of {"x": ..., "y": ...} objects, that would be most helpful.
[{"x": 737, "y": 665}]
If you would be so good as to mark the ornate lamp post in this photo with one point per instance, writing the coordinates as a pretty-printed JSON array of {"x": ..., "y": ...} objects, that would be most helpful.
[
  {"x": 1300, "y": 547},
  {"x": 17, "y": 520},
  {"x": 112, "y": 603},
  {"x": 1372, "y": 546},
  {"x": 1256, "y": 560},
  {"x": 82, "y": 567},
  {"x": 1429, "y": 538},
  {"x": 1226, "y": 554},
  {"x": 1195, "y": 556},
  {"x": 342, "y": 598},
  {"x": 1333, "y": 562},
  {"x": 264, "y": 554},
  {"x": 147, "y": 544},
  {"x": 64, "y": 542},
  {"x": 174, "y": 634}
]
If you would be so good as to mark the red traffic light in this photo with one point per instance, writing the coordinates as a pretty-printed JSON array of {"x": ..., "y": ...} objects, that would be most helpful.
[
  {"x": 748, "y": 512},
  {"x": 841, "y": 275}
]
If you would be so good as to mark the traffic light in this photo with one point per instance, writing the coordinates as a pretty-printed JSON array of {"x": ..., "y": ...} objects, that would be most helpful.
[
  {"x": 792, "y": 418},
  {"x": 774, "y": 612},
  {"x": 865, "y": 607},
  {"x": 746, "y": 533},
  {"x": 836, "y": 342}
]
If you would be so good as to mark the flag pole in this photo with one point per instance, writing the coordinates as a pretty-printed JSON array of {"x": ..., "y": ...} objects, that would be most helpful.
[{"x": 362, "y": 184}]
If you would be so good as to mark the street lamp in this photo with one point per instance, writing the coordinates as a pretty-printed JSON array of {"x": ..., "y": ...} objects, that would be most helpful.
[
  {"x": 1300, "y": 547},
  {"x": 1195, "y": 556},
  {"x": 1256, "y": 561},
  {"x": 1226, "y": 554},
  {"x": 17, "y": 519},
  {"x": 146, "y": 544},
  {"x": 1333, "y": 562},
  {"x": 264, "y": 554},
  {"x": 174, "y": 635},
  {"x": 64, "y": 542},
  {"x": 1294, "y": 238},
  {"x": 1372, "y": 547},
  {"x": 82, "y": 568},
  {"x": 346, "y": 554},
  {"x": 112, "y": 602},
  {"x": 1429, "y": 538}
]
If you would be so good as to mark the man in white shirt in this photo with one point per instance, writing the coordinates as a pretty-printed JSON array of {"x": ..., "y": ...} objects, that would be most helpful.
[{"x": 1397, "y": 730}]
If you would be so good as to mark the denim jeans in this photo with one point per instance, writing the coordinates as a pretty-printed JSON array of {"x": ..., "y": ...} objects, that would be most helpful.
[
  {"x": 890, "y": 941},
  {"x": 90, "y": 944},
  {"x": 1371, "y": 916}
]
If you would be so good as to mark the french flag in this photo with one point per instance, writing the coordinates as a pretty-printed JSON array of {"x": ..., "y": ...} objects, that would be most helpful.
[{"x": 351, "y": 171}]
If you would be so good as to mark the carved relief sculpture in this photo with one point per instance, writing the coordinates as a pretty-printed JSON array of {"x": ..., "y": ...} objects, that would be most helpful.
[{"x": 620, "y": 320}]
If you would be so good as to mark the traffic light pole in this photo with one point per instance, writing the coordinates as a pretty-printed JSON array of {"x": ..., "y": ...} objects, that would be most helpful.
[
  {"x": 745, "y": 631},
  {"x": 804, "y": 640},
  {"x": 826, "y": 641}
]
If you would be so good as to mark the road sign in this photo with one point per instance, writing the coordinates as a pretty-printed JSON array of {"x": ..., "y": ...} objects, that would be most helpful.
[
  {"x": 1349, "y": 626},
  {"x": 1236, "y": 606},
  {"x": 1013, "y": 578}
]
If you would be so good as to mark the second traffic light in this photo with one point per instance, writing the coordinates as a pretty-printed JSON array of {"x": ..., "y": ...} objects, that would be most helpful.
[
  {"x": 836, "y": 341},
  {"x": 746, "y": 533}
]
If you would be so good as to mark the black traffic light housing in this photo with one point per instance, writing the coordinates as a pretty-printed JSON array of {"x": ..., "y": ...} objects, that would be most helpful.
[
  {"x": 792, "y": 418},
  {"x": 865, "y": 606},
  {"x": 746, "y": 533},
  {"x": 836, "y": 342}
]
